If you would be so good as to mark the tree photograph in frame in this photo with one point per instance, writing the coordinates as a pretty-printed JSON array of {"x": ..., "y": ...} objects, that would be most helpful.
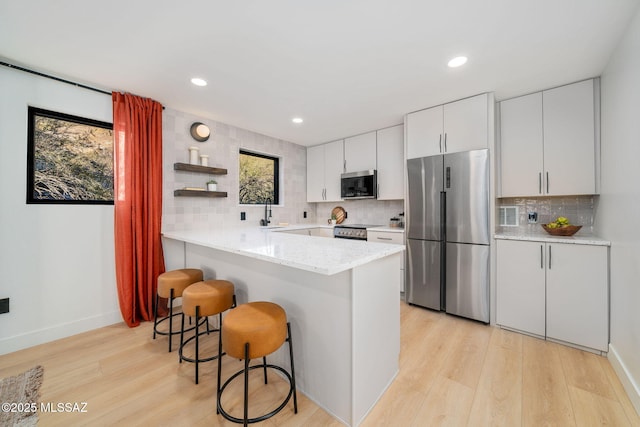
[{"x": 69, "y": 159}]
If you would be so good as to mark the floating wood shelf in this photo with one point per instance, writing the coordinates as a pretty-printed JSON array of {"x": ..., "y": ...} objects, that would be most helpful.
[
  {"x": 199, "y": 193},
  {"x": 197, "y": 168}
]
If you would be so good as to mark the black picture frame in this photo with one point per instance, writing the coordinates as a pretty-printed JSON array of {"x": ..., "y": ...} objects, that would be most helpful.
[{"x": 69, "y": 159}]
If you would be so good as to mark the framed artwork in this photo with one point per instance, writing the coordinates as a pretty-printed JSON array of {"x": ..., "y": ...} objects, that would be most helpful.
[{"x": 69, "y": 159}]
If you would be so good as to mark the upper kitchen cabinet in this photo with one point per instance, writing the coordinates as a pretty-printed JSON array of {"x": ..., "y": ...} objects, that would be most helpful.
[
  {"x": 360, "y": 152},
  {"x": 390, "y": 148},
  {"x": 324, "y": 165},
  {"x": 457, "y": 126},
  {"x": 548, "y": 142}
]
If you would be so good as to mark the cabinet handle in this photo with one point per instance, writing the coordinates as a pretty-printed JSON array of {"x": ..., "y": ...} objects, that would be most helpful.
[
  {"x": 445, "y": 142},
  {"x": 549, "y": 257},
  {"x": 547, "y": 182},
  {"x": 384, "y": 238},
  {"x": 344, "y": 165},
  {"x": 540, "y": 182},
  {"x": 541, "y": 257},
  {"x": 440, "y": 142}
]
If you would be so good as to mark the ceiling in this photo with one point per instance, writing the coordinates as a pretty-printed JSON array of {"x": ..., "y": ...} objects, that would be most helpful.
[{"x": 346, "y": 67}]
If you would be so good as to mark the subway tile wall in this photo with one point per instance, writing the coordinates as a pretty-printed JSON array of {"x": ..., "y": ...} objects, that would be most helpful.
[
  {"x": 188, "y": 213},
  {"x": 374, "y": 212},
  {"x": 580, "y": 210}
]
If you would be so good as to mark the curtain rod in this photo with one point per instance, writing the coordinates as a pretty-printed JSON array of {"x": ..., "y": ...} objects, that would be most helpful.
[{"x": 37, "y": 73}]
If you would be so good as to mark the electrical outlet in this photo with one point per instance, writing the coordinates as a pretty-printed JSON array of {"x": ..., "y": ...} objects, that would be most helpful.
[
  {"x": 4, "y": 305},
  {"x": 304, "y": 214},
  {"x": 243, "y": 216}
]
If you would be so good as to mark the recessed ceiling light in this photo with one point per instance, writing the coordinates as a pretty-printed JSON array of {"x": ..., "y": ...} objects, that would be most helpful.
[
  {"x": 457, "y": 61},
  {"x": 297, "y": 120},
  {"x": 198, "y": 82}
]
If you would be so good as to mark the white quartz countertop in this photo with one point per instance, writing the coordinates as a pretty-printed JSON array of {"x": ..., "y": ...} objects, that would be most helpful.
[
  {"x": 535, "y": 235},
  {"x": 317, "y": 254}
]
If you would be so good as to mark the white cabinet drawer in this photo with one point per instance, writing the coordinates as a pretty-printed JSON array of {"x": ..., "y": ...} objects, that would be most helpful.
[{"x": 385, "y": 237}]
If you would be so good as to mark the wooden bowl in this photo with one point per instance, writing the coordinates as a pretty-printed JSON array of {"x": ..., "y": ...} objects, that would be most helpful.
[{"x": 567, "y": 230}]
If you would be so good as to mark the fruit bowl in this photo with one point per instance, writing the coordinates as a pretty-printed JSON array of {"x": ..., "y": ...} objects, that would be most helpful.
[{"x": 567, "y": 230}]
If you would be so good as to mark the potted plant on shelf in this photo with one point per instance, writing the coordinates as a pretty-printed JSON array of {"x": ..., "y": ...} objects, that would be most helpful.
[
  {"x": 333, "y": 219},
  {"x": 212, "y": 185}
]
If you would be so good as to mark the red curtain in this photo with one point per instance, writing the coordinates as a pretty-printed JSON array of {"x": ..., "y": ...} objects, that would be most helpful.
[{"x": 137, "y": 128}]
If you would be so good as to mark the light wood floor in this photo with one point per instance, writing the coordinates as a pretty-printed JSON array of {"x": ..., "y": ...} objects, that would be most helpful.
[{"x": 453, "y": 372}]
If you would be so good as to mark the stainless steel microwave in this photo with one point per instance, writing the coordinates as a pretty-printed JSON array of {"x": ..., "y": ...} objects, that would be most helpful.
[{"x": 359, "y": 185}]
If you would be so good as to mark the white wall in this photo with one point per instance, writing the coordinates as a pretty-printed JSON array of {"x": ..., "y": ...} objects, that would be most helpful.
[
  {"x": 56, "y": 261},
  {"x": 619, "y": 207}
]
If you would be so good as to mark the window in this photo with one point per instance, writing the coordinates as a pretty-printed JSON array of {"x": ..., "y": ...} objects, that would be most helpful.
[
  {"x": 69, "y": 159},
  {"x": 258, "y": 178}
]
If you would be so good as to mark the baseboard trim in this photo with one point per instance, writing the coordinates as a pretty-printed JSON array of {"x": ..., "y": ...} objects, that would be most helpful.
[
  {"x": 62, "y": 330},
  {"x": 630, "y": 386}
]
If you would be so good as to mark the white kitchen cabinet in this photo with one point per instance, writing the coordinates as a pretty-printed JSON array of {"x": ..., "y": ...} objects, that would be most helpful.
[
  {"x": 390, "y": 152},
  {"x": 520, "y": 286},
  {"x": 392, "y": 237},
  {"x": 457, "y": 126},
  {"x": 324, "y": 167},
  {"x": 548, "y": 142},
  {"x": 577, "y": 295},
  {"x": 360, "y": 152},
  {"x": 555, "y": 290}
]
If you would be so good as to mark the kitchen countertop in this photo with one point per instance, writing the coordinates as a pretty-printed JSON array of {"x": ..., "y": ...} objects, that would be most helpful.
[
  {"x": 539, "y": 235},
  {"x": 317, "y": 254}
]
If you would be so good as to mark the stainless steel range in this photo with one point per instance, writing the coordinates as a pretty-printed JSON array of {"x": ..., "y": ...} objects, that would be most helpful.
[{"x": 352, "y": 231}]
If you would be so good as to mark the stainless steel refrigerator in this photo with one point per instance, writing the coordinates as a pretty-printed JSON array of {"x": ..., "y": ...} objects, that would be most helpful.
[{"x": 448, "y": 233}]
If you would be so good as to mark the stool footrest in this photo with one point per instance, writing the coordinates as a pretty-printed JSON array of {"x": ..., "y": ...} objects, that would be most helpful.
[{"x": 231, "y": 418}]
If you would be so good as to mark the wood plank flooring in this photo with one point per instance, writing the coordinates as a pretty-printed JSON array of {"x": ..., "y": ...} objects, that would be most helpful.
[{"x": 453, "y": 372}]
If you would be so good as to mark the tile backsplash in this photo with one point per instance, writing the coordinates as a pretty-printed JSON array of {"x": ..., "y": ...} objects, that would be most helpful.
[
  {"x": 189, "y": 213},
  {"x": 374, "y": 212},
  {"x": 580, "y": 210}
]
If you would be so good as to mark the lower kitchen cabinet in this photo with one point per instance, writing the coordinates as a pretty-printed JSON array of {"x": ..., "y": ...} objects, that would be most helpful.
[
  {"x": 392, "y": 237},
  {"x": 555, "y": 290}
]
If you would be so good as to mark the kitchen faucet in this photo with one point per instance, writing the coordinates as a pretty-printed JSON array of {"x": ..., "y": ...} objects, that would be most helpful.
[{"x": 267, "y": 213}]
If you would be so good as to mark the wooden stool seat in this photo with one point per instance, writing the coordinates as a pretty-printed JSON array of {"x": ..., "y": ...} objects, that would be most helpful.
[
  {"x": 171, "y": 285},
  {"x": 200, "y": 300},
  {"x": 255, "y": 330}
]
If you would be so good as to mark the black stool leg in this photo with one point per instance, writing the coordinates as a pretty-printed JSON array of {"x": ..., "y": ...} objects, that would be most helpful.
[
  {"x": 264, "y": 367},
  {"x": 197, "y": 334},
  {"x": 219, "y": 364},
  {"x": 246, "y": 384},
  {"x": 155, "y": 317},
  {"x": 293, "y": 371},
  {"x": 170, "y": 317},
  {"x": 181, "y": 337}
]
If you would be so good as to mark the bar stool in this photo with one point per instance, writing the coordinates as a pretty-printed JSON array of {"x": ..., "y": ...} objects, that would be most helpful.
[
  {"x": 250, "y": 331},
  {"x": 200, "y": 300},
  {"x": 171, "y": 285}
]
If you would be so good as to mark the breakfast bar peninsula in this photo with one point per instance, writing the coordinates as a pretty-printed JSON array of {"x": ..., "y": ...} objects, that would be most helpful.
[{"x": 341, "y": 297}]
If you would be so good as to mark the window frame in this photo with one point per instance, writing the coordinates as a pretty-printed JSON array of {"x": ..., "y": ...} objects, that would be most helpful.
[
  {"x": 276, "y": 175},
  {"x": 32, "y": 114}
]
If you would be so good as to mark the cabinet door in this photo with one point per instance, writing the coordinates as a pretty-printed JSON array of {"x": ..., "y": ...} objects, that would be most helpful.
[
  {"x": 360, "y": 152},
  {"x": 466, "y": 124},
  {"x": 315, "y": 174},
  {"x": 390, "y": 149},
  {"x": 569, "y": 139},
  {"x": 520, "y": 286},
  {"x": 424, "y": 133},
  {"x": 521, "y": 146},
  {"x": 577, "y": 295},
  {"x": 333, "y": 167}
]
